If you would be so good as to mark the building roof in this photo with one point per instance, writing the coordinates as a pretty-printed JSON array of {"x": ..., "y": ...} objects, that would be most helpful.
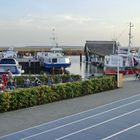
[{"x": 101, "y": 48}]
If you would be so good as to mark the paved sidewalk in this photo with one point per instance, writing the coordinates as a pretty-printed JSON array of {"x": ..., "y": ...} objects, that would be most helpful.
[{"x": 25, "y": 118}]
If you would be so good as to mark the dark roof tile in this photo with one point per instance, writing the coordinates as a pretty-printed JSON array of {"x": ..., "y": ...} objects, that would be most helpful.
[{"x": 101, "y": 48}]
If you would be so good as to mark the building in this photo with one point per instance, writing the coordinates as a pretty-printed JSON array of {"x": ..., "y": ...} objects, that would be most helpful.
[{"x": 95, "y": 51}]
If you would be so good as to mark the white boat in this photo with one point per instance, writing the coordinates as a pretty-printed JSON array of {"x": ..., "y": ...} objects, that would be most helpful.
[
  {"x": 54, "y": 59},
  {"x": 125, "y": 60},
  {"x": 125, "y": 64},
  {"x": 12, "y": 65},
  {"x": 10, "y": 52}
]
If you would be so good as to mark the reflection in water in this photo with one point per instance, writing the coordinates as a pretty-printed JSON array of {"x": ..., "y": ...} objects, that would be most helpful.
[{"x": 83, "y": 69}]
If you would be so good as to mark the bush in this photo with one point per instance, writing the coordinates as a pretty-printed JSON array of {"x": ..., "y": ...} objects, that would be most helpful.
[
  {"x": 5, "y": 101},
  {"x": 27, "y": 97}
]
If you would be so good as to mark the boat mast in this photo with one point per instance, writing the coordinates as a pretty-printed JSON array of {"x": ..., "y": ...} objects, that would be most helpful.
[
  {"x": 54, "y": 38},
  {"x": 130, "y": 36}
]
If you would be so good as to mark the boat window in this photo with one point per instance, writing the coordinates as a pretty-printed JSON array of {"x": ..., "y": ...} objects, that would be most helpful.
[
  {"x": 54, "y": 60},
  {"x": 7, "y": 61},
  {"x": 49, "y": 60}
]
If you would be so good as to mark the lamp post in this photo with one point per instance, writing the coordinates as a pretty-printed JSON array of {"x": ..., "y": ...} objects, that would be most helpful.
[
  {"x": 118, "y": 69},
  {"x": 118, "y": 65}
]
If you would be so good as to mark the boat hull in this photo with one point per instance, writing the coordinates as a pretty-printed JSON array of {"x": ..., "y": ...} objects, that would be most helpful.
[
  {"x": 50, "y": 66},
  {"x": 124, "y": 71}
]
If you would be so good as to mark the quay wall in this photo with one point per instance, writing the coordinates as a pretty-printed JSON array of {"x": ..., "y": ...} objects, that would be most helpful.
[{"x": 31, "y": 67}]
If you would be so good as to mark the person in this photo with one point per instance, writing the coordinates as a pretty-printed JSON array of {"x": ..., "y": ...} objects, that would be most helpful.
[
  {"x": 71, "y": 79},
  {"x": 37, "y": 82},
  {"x": 10, "y": 75},
  {"x": 50, "y": 81},
  {"x": 11, "y": 84},
  {"x": 137, "y": 75},
  {"x": 27, "y": 82},
  {"x": 5, "y": 79},
  {"x": 2, "y": 86}
]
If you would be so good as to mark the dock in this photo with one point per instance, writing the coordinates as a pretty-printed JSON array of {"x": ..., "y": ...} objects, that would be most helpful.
[{"x": 30, "y": 65}]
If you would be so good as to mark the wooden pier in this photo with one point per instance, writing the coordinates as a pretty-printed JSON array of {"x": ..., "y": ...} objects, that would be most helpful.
[{"x": 30, "y": 65}]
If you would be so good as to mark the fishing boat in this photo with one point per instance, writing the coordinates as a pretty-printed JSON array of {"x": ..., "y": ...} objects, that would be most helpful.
[
  {"x": 125, "y": 64},
  {"x": 12, "y": 65},
  {"x": 125, "y": 60},
  {"x": 54, "y": 59}
]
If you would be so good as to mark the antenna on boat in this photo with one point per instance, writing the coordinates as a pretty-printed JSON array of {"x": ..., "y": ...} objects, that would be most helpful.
[
  {"x": 54, "y": 38},
  {"x": 130, "y": 35}
]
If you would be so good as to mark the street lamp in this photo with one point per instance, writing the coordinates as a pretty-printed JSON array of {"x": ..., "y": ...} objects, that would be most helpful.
[{"x": 118, "y": 69}]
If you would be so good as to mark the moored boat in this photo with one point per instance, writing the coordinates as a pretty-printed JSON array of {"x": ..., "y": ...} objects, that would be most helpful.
[
  {"x": 12, "y": 65},
  {"x": 125, "y": 64},
  {"x": 10, "y": 52},
  {"x": 125, "y": 60},
  {"x": 56, "y": 59}
]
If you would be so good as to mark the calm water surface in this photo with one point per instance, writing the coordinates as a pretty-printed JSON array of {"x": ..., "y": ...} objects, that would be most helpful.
[{"x": 83, "y": 68}]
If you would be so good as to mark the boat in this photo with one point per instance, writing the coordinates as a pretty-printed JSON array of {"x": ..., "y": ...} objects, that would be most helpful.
[
  {"x": 125, "y": 64},
  {"x": 10, "y": 52},
  {"x": 12, "y": 65},
  {"x": 54, "y": 59},
  {"x": 125, "y": 60}
]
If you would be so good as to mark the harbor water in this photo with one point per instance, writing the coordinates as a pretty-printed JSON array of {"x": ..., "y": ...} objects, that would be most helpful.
[
  {"x": 83, "y": 69},
  {"x": 77, "y": 67}
]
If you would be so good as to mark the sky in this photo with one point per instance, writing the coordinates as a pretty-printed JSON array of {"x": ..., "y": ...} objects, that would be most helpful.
[{"x": 30, "y": 22}]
